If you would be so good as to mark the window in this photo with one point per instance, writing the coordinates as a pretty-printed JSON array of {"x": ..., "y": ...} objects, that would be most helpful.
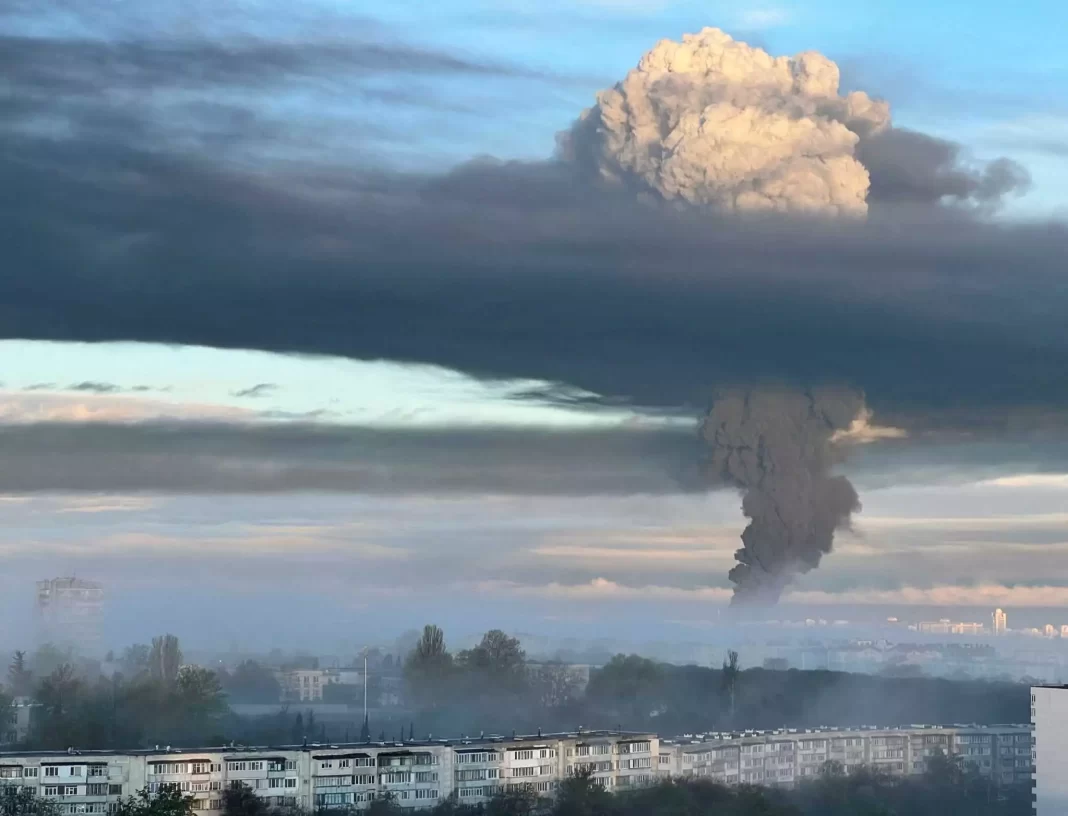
[
  {"x": 426, "y": 776},
  {"x": 70, "y": 790},
  {"x": 344, "y": 763},
  {"x": 96, "y": 790},
  {"x": 274, "y": 783},
  {"x": 30, "y": 773},
  {"x": 478, "y": 756},
  {"x": 524, "y": 754},
  {"x": 291, "y": 782},
  {"x": 51, "y": 770},
  {"x": 114, "y": 790},
  {"x": 327, "y": 764},
  {"x": 426, "y": 794},
  {"x": 522, "y": 772},
  {"x": 291, "y": 764},
  {"x": 76, "y": 770},
  {"x": 255, "y": 766},
  {"x": 98, "y": 770},
  {"x": 51, "y": 790}
]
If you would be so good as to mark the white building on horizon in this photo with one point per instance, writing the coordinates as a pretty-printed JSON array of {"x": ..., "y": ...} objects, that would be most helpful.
[
  {"x": 70, "y": 613},
  {"x": 1001, "y": 622}
]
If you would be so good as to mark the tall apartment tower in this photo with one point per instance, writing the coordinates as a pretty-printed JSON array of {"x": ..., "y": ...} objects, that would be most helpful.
[
  {"x": 1001, "y": 622},
  {"x": 70, "y": 613},
  {"x": 1049, "y": 752}
]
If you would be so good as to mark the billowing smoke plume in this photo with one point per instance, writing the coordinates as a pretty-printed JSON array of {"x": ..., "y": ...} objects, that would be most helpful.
[
  {"x": 776, "y": 446},
  {"x": 715, "y": 122}
]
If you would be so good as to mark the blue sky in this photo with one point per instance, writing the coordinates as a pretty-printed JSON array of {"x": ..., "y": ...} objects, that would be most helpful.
[{"x": 989, "y": 75}]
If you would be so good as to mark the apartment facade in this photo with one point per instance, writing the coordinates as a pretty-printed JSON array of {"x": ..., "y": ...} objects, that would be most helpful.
[
  {"x": 788, "y": 757},
  {"x": 1049, "y": 715},
  {"x": 413, "y": 774}
]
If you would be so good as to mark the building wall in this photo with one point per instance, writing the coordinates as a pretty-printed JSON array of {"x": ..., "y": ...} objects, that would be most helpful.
[
  {"x": 415, "y": 775},
  {"x": 1049, "y": 714},
  {"x": 784, "y": 758}
]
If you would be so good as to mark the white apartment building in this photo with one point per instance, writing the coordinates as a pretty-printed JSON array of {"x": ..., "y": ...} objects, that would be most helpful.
[
  {"x": 414, "y": 774},
  {"x": 783, "y": 758},
  {"x": 1049, "y": 715},
  {"x": 305, "y": 685}
]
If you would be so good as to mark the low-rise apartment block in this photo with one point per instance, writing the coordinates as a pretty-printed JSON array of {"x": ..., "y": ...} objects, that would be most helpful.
[
  {"x": 413, "y": 774},
  {"x": 787, "y": 757}
]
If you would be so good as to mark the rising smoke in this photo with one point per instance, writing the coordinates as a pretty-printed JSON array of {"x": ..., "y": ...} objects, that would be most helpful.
[
  {"x": 777, "y": 447},
  {"x": 713, "y": 122}
]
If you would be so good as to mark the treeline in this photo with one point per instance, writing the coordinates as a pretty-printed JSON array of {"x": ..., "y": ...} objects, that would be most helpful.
[
  {"x": 945, "y": 790},
  {"x": 487, "y": 689},
  {"x": 154, "y": 699}
]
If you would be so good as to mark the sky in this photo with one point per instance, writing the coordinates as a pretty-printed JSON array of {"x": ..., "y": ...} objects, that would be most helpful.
[{"x": 496, "y": 491}]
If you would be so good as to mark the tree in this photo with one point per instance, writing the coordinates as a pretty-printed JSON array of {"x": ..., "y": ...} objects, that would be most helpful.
[
  {"x": 499, "y": 658},
  {"x": 428, "y": 666},
  {"x": 297, "y": 734},
  {"x": 199, "y": 695},
  {"x": 365, "y": 730},
  {"x": 165, "y": 660},
  {"x": 240, "y": 800},
  {"x": 554, "y": 684},
  {"x": 730, "y": 678},
  {"x": 19, "y": 676},
  {"x": 48, "y": 658},
  {"x": 168, "y": 801},
  {"x": 252, "y": 683},
  {"x": 15, "y": 801},
  {"x": 135, "y": 659}
]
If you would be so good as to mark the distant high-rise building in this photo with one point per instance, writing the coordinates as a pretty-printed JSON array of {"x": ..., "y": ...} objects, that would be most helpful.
[
  {"x": 1001, "y": 622},
  {"x": 70, "y": 613},
  {"x": 1064, "y": 630},
  {"x": 1049, "y": 631}
]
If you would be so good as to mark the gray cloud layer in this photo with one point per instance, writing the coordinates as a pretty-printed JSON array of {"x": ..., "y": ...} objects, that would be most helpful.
[
  {"x": 515, "y": 270},
  {"x": 221, "y": 458},
  {"x": 210, "y": 458}
]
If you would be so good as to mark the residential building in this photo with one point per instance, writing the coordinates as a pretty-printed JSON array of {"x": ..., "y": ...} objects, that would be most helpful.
[
  {"x": 1049, "y": 715},
  {"x": 1001, "y": 622},
  {"x": 782, "y": 758},
  {"x": 305, "y": 685},
  {"x": 15, "y": 723},
  {"x": 414, "y": 774},
  {"x": 70, "y": 613}
]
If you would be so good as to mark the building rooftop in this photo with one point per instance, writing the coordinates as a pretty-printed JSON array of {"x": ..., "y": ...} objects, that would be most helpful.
[{"x": 488, "y": 740}]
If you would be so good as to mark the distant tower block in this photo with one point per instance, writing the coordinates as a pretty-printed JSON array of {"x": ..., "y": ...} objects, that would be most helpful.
[
  {"x": 70, "y": 613},
  {"x": 1001, "y": 622}
]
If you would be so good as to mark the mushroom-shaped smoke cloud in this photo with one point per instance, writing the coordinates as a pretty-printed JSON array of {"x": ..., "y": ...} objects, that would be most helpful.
[
  {"x": 777, "y": 446},
  {"x": 715, "y": 122}
]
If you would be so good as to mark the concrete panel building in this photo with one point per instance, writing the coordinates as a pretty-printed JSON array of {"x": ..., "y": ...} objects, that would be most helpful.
[{"x": 1049, "y": 715}]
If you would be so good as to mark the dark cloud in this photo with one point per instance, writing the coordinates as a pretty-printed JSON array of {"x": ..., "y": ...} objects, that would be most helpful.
[
  {"x": 550, "y": 282},
  {"x": 95, "y": 387},
  {"x": 212, "y": 458},
  {"x": 626, "y": 459},
  {"x": 256, "y": 391},
  {"x": 513, "y": 270},
  {"x": 911, "y": 167}
]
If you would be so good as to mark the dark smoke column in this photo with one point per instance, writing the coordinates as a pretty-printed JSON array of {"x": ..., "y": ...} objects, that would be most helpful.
[{"x": 776, "y": 446}]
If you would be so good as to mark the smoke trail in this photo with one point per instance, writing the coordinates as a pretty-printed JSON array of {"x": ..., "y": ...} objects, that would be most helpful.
[{"x": 777, "y": 447}]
